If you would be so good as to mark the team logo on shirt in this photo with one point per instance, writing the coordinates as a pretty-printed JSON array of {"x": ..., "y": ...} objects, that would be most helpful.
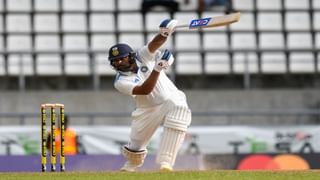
[{"x": 144, "y": 69}]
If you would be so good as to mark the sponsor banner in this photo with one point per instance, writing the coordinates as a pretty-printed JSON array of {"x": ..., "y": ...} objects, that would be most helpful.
[
  {"x": 261, "y": 161},
  {"x": 98, "y": 140},
  {"x": 249, "y": 139},
  {"x": 32, "y": 163},
  {"x": 278, "y": 162}
]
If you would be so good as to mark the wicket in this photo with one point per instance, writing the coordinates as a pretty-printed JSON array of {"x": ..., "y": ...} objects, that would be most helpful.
[{"x": 53, "y": 136}]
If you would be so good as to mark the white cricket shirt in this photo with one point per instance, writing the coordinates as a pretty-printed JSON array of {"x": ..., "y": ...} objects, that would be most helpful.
[{"x": 164, "y": 89}]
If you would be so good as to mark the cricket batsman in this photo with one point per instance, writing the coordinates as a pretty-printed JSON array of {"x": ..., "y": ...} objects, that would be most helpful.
[{"x": 158, "y": 101}]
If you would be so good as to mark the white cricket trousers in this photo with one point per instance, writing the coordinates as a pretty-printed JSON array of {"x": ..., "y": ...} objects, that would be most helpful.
[{"x": 146, "y": 121}]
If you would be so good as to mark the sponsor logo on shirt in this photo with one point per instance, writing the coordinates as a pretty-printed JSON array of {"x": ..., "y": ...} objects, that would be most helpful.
[{"x": 144, "y": 69}]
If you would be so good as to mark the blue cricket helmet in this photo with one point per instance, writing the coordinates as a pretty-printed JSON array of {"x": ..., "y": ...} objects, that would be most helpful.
[{"x": 120, "y": 50}]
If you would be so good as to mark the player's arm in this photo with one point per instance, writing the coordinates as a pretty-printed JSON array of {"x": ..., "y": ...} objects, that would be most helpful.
[
  {"x": 147, "y": 86},
  {"x": 166, "y": 28},
  {"x": 156, "y": 43},
  {"x": 163, "y": 62}
]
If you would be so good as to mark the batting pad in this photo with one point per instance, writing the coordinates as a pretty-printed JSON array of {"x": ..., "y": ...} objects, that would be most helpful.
[
  {"x": 134, "y": 158},
  {"x": 169, "y": 146},
  {"x": 179, "y": 118}
]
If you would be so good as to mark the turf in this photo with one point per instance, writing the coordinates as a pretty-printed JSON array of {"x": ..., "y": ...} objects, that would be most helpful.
[{"x": 180, "y": 175}]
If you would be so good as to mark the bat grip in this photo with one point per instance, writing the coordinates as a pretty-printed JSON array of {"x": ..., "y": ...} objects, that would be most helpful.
[{"x": 182, "y": 26}]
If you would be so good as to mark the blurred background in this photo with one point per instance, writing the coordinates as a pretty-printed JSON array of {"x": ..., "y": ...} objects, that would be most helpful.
[{"x": 253, "y": 86}]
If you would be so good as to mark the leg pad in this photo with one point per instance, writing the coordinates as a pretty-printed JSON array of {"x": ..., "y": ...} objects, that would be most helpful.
[
  {"x": 178, "y": 118},
  {"x": 170, "y": 144}
]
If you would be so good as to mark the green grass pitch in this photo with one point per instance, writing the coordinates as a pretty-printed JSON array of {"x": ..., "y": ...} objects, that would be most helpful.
[{"x": 178, "y": 175}]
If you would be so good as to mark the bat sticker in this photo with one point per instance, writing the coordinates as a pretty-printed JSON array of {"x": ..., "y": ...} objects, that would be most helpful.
[{"x": 199, "y": 22}]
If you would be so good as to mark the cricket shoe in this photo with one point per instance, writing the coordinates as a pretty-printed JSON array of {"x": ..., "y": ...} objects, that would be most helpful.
[
  {"x": 127, "y": 167},
  {"x": 166, "y": 168}
]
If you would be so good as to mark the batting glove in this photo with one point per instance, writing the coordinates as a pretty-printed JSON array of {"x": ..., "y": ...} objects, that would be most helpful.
[
  {"x": 167, "y": 27},
  {"x": 164, "y": 61}
]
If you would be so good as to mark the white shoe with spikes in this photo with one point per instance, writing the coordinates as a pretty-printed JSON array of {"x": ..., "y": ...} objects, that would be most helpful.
[
  {"x": 127, "y": 167},
  {"x": 166, "y": 168}
]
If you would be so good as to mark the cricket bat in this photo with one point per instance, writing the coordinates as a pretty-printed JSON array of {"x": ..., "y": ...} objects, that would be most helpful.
[{"x": 210, "y": 22}]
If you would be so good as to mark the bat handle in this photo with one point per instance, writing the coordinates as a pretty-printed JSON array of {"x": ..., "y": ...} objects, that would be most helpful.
[{"x": 182, "y": 26}]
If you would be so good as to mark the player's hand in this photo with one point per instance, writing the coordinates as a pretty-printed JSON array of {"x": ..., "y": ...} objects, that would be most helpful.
[
  {"x": 164, "y": 61},
  {"x": 167, "y": 27}
]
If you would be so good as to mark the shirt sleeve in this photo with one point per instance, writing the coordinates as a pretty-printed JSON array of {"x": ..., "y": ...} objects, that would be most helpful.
[
  {"x": 146, "y": 55},
  {"x": 125, "y": 86}
]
